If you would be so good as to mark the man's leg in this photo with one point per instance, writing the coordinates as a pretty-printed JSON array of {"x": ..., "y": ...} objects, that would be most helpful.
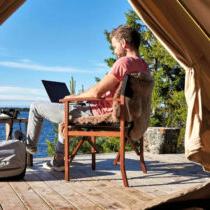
[
  {"x": 59, "y": 149},
  {"x": 38, "y": 112},
  {"x": 57, "y": 163}
]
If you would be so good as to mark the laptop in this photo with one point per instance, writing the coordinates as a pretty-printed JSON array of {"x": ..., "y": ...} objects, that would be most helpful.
[{"x": 55, "y": 90}]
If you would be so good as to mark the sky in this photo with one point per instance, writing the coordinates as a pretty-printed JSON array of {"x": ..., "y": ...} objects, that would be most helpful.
[{"x": 54, "y": 40}]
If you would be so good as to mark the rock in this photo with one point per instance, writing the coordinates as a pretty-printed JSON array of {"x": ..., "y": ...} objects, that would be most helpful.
[{"x": 161, "y": 140}]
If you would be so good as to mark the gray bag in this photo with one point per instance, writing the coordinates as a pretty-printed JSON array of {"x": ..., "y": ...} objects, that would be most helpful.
[{"x": 12, "y": 159}]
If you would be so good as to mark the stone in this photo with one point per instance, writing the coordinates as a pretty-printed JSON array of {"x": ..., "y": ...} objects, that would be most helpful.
[{"x": 161, "y": 140}]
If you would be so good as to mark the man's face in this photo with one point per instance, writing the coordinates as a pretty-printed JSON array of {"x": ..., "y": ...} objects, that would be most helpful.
[{"x": 119, "y": 47}]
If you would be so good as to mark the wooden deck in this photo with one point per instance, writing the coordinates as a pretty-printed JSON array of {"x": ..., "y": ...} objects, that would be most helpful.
[{"x": 101, "y": 189}]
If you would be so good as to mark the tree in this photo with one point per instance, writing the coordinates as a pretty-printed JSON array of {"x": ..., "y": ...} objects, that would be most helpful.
[{"x": 72, "y": 85}]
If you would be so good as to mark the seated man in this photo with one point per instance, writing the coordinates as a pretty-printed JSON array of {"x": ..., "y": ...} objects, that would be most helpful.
[{"x": 125, "y": 42}]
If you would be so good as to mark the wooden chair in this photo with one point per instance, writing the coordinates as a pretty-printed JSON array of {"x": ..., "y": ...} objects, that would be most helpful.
[{"x": 126, "y": 122}]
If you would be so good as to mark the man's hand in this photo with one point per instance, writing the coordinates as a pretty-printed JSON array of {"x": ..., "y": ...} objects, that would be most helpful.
[{"x": 70, "y": 96}]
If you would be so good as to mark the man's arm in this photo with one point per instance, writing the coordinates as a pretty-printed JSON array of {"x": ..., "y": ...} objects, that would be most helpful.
[{"x": 109, "y": 82}]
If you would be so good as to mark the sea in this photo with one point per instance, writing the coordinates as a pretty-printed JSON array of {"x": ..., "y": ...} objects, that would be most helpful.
[{"x": 47, "y": 133}]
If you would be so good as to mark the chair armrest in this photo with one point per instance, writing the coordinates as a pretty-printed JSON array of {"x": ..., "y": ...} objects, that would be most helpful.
[{"x": 72, "y": 99}]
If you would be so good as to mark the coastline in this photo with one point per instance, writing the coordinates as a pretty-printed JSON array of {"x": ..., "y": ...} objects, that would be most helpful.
[{"x": 25, "y": 109}]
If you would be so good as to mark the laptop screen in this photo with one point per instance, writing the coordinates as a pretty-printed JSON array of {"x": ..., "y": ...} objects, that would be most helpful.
[{"x": 55, "y": 90}]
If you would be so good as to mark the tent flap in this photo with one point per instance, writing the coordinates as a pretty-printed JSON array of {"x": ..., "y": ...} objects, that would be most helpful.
[
  {"x": 183, "y": 29},
  {"x": 7, "y": 7}
]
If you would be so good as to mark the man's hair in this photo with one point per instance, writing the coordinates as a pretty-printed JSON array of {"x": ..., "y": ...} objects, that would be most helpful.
[{"x": 129, "y": 34}]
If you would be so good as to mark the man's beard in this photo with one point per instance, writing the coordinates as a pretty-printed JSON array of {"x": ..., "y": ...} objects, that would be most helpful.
[{"x": 121, "y": 55}]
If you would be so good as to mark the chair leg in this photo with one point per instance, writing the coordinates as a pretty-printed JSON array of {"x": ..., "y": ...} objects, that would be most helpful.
[
  {"x": 122, "y": 159},
  {"x": 134, "y": 148},
  {"x": 142, "y": 163},
  {"x": 75, "y": 150},
  {"x": 92, "y": 143},
  {"x": 66, "y": 159},
  {"x": 116, "y": 160},
  {"x": 93, "y": 152}
]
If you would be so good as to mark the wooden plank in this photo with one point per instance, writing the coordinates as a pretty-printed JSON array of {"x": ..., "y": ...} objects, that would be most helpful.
[
  {"x": 79, "y": 200},
  {"x": 68, "y": 192},
  {"x": 121, "y": 194},
  {"x": 101, "y": 194},
  {"x": 96, "y": 195},
  {"x": 127, "y": 196},
  {"x": 94, "y": 133},
  {"x": 28, "y": 196},
  {"x": 131, "y": 192},
  {"x": 9, "y": 199},
  {"x": 93, "y": 194},
  {"x": 48, "y": 194},
  {"x": 139, "y": 194},
  {"x": 69, "y": 100},
  {"x": 135, "y": 199}
]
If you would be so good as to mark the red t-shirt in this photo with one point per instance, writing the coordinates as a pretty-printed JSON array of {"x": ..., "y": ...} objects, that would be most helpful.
[{"x": 123, "y": 66}]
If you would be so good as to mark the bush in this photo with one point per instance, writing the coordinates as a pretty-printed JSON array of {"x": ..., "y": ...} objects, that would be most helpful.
[{"x": 103, "y": 145}]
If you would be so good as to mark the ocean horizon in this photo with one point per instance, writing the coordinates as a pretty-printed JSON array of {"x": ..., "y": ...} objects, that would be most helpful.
[
  {"x": 16, "y": 103},
  {"x": 47, "y": 132}
]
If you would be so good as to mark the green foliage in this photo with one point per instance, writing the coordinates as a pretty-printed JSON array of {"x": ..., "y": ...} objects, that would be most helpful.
[
  {"x": 103, "y": 145},
  {"x": 97, "y": 79},
  {"x": 110, "y": 61},
  {"x": 108, "y": 144},
  {"x": 72, "y": 85},
  {"x": 81, "y": 90},
  {"x": 51, "y": 145},
  {"x": 180, "y": 144}
]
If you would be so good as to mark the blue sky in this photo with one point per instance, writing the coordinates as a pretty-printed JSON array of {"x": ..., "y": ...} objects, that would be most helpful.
[{"x": 54, "y": 40}]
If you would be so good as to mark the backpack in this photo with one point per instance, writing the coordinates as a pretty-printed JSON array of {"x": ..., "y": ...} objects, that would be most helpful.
[{"x": 13, "y": 160}]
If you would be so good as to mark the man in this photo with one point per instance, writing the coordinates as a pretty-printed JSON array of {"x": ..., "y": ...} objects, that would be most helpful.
[{"x": 125, "y": 42}]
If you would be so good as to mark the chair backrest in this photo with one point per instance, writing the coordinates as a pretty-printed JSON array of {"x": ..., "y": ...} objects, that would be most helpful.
[{"x": 137, "y": 90}]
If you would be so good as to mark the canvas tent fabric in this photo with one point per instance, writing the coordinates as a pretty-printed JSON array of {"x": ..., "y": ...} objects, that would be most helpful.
[
  {"x": 183, "y": 28},
  {"x": 7, "y": 7}
]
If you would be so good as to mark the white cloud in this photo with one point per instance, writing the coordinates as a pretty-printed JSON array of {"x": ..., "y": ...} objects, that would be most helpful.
[
  {"x": 95, "y": 63},
  {"x": 25, "y": 60},
  {"x": 12, "y": 93},
  {"x": 101, "y": 65},
  {"x": 29, "y": 65}
]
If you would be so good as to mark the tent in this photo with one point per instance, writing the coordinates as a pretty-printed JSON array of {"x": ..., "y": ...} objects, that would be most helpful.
[
  {"x": 183, "y": 27},
  {"x": 7, "y": 7}
]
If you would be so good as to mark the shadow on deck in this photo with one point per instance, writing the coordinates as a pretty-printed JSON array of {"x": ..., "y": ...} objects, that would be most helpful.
[{"x": 102, "y": 189}]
